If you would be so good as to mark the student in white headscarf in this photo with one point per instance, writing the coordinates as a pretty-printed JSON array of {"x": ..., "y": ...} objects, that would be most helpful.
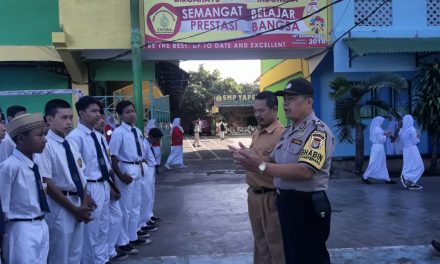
[
  {"x": 377, "y": 166},
  {"x": 176, "y": 154},
  {"x": 156, "y": 145},
  {"x": 413, "y": 166}
]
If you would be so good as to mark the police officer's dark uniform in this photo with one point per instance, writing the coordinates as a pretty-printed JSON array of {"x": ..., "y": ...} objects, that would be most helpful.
[{"x": 303, "y": 207}]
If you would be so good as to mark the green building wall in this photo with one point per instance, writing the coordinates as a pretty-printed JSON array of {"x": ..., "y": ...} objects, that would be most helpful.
[
  {"x": 28, "y": 22},
  {"x": 30, "y": 78}
]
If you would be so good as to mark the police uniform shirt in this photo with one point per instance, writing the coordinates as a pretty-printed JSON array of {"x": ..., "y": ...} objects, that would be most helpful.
[
  {"x": 82, "y": 137},
  {"x": 6, "y": 147},
  {"x": 123, "y": 144},
  {"x": 18, "y": 189},
  {"x": 264, "y": 141},
  {"x": 149, "y": 156},
  {"x": 53, "y": 163},
  {"x": 311, "y": 144}
]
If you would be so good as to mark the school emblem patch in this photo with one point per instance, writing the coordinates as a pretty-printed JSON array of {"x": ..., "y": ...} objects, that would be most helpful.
[
  {"x": 314, "y": 152},
  {"x": 80, "y": 163}
]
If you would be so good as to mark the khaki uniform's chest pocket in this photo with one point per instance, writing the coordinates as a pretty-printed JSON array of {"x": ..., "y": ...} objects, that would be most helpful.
[{"x": 294, "y": 149}]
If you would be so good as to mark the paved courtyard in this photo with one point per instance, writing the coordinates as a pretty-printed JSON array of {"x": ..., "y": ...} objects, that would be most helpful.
[{"x": 205, "y": 216}]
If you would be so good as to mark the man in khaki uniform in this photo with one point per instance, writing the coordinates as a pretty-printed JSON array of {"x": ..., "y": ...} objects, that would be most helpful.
[
  {"x": 300, "y": 163},
  {"x": 263, "y": 214}
]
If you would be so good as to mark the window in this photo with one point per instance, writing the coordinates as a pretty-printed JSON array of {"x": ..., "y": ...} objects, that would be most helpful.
[
  {"x": 433, "y": 12},
  {"x": 381, "y": 18},
  {"x": 400, "y": 100}
]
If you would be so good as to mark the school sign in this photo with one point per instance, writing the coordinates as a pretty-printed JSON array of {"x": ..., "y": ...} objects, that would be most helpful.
[
  {"x": 231, "y": 100},
  {"x": 235, "y": 24}
]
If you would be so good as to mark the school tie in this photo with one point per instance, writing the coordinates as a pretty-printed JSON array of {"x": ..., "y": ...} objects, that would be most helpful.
[
  {"x": 73, "y": 170},
  {"x": 101, "y": 160},
  {"x": 154, "y": 155},
  {"x": 41, "y": 195},
  {"x": 138, "y": 146},
  {"x": 104, "y": 148}
]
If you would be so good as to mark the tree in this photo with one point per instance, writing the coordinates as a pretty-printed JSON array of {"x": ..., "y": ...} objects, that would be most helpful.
[
  {"x": 427, "y": 109},
  {"x": 348, "y": 104},
  {"x": 202, "y": 86}
]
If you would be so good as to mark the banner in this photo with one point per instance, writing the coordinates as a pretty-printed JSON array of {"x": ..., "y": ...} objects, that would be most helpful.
[
  {"x": 235, "y": 24},
  {"x": 234, "y": 100}
]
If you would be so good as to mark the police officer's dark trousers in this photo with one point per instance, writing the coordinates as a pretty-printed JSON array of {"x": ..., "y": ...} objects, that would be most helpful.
[{"x": 304, "y": 232}]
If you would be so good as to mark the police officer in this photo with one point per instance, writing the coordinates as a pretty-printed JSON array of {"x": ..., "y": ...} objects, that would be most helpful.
[{"x": 300, "y": 164}]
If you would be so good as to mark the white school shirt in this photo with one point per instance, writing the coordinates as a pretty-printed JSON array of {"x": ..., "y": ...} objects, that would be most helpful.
[
  {"x": 18, "y": 188},
  {"x": 6, "y": 147},
  {"x": 123, "y": 143},
  {"x": 53, "y": 163},
  {"x": 149, "y": 156},
  {"x": 82, "y": 137}
]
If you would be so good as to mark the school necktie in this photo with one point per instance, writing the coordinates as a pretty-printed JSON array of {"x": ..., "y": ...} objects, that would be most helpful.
[
  {"x": 101, "y": 160},
  {"x": 41, "y": 195},
  {"x": 138, "y": 146},
  {"x": 73, "y": 170},
  {"x": 154, "y": 155},
  {"x": 105, "y": 150}
]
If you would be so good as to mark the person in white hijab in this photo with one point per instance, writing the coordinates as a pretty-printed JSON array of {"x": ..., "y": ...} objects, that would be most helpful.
[
  {"x": 176, "y": 155},
  {"x": 413, "y": 166},
  {"x": 377, "y": 166},
  {"x": 156, "y": 146}
]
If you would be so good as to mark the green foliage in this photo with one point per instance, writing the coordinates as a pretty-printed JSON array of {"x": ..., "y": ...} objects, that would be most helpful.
[
  {"x": 203, "y": 85},
  {"x": 427, "y": 109}
]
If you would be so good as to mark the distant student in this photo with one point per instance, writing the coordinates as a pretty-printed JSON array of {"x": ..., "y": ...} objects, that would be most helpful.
[
  {"x": 147, "y": 220},
  {"x": 97, "y": 170},
  {"x": 24, "y": 203},
  {"x": 127, "y": 154},
  {"x": 197, "y": 131},
  {"x": 413, "y": 166},
  {"x": 222, "y": 130},
  {"x": 62, "y": 169},
  {"x": 156, "y": 146},
  {"x": 7, "y": 145},
  {"x": 115, "y": 195},
  {"x": 176, "y": 155},
  {"x": 377, "y": 166}
]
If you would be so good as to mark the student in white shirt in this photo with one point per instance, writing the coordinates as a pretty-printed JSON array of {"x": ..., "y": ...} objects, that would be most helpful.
[
  {"x": 7, "y": 145},
  {"x": 147, "y": 220},
  {"x": 26, "y": 238},
  {"x": 115, "y": 195},
  {"x": 2, "y": 136},
  {"x": 61, "y": 167},
  {"x": 96, "y": 171},
  {"x": 126, "y": 154}
]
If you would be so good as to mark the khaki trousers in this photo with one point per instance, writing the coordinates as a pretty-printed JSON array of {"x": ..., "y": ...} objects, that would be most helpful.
[
  {"x": 268, "y": 241},
  {"x": 196, "y": 139}
]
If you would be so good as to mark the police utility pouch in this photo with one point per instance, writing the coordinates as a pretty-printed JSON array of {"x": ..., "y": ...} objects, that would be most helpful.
[{"x": 321, "y": 205}]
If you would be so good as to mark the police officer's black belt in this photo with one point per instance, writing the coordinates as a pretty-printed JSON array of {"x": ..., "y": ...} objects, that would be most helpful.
[
  {"x": 293, "y": 192},
  {"x": 98, "y": 180},
  {"x": 262, "y": 190},
  {"x": 132, "y": 162},
  {"x": 38, "y": 218},
  {"x": 68, "y": 193}
]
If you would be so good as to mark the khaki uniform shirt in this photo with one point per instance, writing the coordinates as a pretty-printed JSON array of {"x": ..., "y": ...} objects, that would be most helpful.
[
  {"x": 312, "y": 144},
  {"x": 264, "y": 141}
]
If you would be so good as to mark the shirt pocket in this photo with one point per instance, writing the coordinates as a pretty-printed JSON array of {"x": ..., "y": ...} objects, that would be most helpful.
[{"x": 294, "y": 149}]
